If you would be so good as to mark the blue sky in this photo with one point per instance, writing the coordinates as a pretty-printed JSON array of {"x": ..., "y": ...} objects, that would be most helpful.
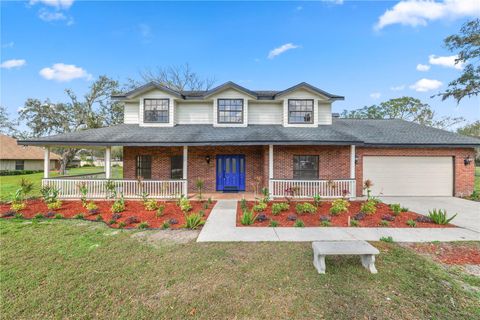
[{"x": 366, "y": 51}]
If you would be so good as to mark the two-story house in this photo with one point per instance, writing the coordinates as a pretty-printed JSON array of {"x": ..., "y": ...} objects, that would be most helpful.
[{"x": 236, "y": 139}]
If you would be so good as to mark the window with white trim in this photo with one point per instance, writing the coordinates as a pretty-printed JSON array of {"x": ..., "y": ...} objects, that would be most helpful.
[
  {"x": 156, "y": 110},
  {"x": 300, "y": 111},
  {"x": 230, "y": 110}
]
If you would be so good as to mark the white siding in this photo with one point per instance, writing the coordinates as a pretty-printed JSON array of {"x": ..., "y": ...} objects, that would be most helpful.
[
  {"x": 265, "y": 113},
  {"x": 131, "y": 112},
  {"x": 324, "y": 113},
  {"x": 194, "y": 113}
]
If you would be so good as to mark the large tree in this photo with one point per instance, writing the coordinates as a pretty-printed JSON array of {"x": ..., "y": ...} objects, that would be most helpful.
[
  {"x": 473, "y": 130},
  {"x": 7, "y": 126},
  {"x": 467, "y": 43},
  {"x": 177, "y": 77},
  {"x": 95, "y": 109},
  {"x": 405, "y": 108}
]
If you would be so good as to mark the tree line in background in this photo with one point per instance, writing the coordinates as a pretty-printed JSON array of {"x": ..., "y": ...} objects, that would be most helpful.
[{"x": 97, "y": 109}]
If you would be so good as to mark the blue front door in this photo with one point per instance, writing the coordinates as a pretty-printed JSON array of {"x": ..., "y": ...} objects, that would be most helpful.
[{"x": 231, "y": 172}]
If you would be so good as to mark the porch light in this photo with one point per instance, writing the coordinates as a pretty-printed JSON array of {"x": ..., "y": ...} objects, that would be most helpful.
[
  {"x": 467, "y": 160},
  {"x": 207, "y": 159},
  {"x": 356, "y": 159}
]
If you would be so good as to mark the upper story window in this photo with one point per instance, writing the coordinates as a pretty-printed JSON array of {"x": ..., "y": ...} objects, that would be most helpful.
[
  {"x": 156, "y": 110},
  {"x": 300, "y": 111},
  {"x": 230, "y": 110}
]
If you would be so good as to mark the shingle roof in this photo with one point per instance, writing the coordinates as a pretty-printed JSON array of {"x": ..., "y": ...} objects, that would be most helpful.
[
  {"x": 10, "y": 150},
  {"x": 190, "y": 95},
  {"x": 341, "y": 132}
]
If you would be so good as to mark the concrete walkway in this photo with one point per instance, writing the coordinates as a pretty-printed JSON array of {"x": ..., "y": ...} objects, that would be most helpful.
[
  {"x": 468, "y": 216},
  {"x": 221, "y": 226}
]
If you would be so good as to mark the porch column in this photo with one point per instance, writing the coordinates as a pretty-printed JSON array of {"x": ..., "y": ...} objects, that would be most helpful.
[
  {"x": 352, "y": 161},
  {"x": 46, "y": 163},
  {"x": 185, "y": 170},
  {"x": 270, "y": 168},
  {"x": 108, "y": 162}
]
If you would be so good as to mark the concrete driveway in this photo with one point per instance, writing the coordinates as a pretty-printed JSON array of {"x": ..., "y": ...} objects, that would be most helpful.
[{"x": 468, "y": 211}]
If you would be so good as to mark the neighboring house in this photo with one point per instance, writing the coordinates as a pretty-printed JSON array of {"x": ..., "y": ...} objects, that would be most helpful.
[
  {"x": 15, "y": 157},
  {"x": 236, "y": 139}
]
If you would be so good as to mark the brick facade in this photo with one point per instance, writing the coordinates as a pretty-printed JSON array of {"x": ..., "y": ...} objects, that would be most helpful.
[{"x": 334, "y": 163}]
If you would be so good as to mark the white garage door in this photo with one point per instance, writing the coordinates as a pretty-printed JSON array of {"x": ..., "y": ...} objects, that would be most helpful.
[{"x": 409, "y": 176}]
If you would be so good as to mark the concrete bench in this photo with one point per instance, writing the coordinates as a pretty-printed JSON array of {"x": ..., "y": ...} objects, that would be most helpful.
[{"x": 365, "y": 250}]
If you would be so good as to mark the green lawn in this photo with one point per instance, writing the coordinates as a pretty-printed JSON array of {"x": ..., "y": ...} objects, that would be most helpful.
[
  {"x": 83, "y": 270},
  {"x": 477, "y": 179},
  {"x": 9, "y": 184}
]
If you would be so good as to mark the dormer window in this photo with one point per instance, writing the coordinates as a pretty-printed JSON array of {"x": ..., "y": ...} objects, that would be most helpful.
[
  {"x": 230, "y": 110},
  {"x": 156, "y": 111},
  {"x": 300, "y": 111}
]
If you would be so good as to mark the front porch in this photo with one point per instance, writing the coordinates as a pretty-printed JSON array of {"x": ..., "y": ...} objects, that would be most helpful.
[{"x": 227, "y": 172}]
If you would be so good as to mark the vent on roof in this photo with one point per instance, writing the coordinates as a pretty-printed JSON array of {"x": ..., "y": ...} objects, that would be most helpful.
[{"x": 335, "y": 115}]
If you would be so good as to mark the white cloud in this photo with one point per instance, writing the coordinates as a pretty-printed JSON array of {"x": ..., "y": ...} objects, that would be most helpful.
[
  {"x": 14, "y": 63},
  {"x": 375, "y": 95},
  {"x": 8, "y": 44},
  {"x": 398, "y": 88},
  {"x": 448, "y": 61},
  {"x": 48, "y": 16},
  {"x": 419, "y": 13},
  {"x": 278, "y": 51},
  {"x": 64, "y": 72},
  {"x": 58, "y": 4},
  {"x": 424, "y": 85},
  {"x": 423, "y": 67}
]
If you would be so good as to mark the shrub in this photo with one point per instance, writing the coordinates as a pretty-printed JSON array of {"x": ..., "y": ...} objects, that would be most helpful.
[
  {"x": 143, "y": 225},
  {"x": 259, "y": 207},
  {"x": 122, "y": 224},
  {"x": 299, "y": 224},
  {"x": 367, "y": 185},
  {"x": 165, "y": 225},
  {"x": 99, "y": 218},
  {"x": 273, "y": 223},
  {"x": 58, "y": 216},
  {"x": 396, "y": 208},
  {"x": 209, "y": 201},
  {"x": 201, "y": 213},
  {"x": 17, "y": 206},
  {"x": 78, "y": 216},
  {"x": 279, "y": 207},
  {"x": 368, "y": 207},
  {"x": 193, "y": 221},
  {"x": 112, "y": 221},
  {"x": 38, "y": 216},
  {"x": 160, "y": 210},
  {"x": 411, "y": 223},
  {"x": 384, "y": 223},
  {"x": 82, "y": 187},
  {"x": 18, "y": 215},
  {"x": 55, "y": 205},
  {"x": 248, "y": 218},
  {"x": 266, "y": 195},
  {"x": 144, "y": 196},
  {"x": 475, "y": 195},
  {"x": 199, "y": 184},
  {"x": 184, "y": 204},
  {"x": 316, "y": 200},
  {"x": 205, "y": 205},
  {"x": 118, "y": 206},
  {"x": 26, "y": 186},
  {"x": 440, "y": 216},
  {"x": 132, "y": 220},
  {"x": 18, "y": 172},
  {"x": 387, "y": 239},
  {"x": 91, "y": 206},
  {"x": 305, "y": 207},
  {"x": 338, "y": 206},
  {"x": 150, "y": 205},
  {"x": 404, "y": 209},
  {"x": 9, "y": 213},
  {"x": 243, "y": 204},
  {"x": 354, "y": 223},
  {"x": 49, "y": 194},
  {"x": 325, "y": 224}
]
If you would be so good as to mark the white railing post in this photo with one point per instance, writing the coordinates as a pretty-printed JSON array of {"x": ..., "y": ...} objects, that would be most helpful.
[
  {"x": 108, "y": 162},
  {"x": 270, "y": 169},
  {"x": 46, "y": 163},
  {"x": 185, "y": 170},
  {"x": 353, "y": 191}
]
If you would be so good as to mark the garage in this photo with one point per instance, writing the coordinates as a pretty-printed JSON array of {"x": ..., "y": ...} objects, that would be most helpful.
[{"x": 409, "y": 176}]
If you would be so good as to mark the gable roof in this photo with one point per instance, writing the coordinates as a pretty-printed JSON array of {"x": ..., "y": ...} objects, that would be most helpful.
[
  {"x": 390, "y": 133},
  {"x": 204, "y": 94},
  {"x": 10, "y": 150}
]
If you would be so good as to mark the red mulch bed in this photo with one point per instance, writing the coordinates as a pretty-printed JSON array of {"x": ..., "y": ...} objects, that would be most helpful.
[
  {"x": 341, "y": 220},
  {"x": 132, "y": 208},
  {"x": 449, "y": 253}
]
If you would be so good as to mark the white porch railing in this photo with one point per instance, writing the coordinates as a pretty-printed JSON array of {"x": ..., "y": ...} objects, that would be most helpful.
[
  {"x": 310, "y": 188},
  {"x": 97, "y": 188}
]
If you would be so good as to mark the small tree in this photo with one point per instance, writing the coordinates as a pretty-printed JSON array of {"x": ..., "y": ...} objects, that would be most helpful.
[{"x": 200, "y": 184}]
